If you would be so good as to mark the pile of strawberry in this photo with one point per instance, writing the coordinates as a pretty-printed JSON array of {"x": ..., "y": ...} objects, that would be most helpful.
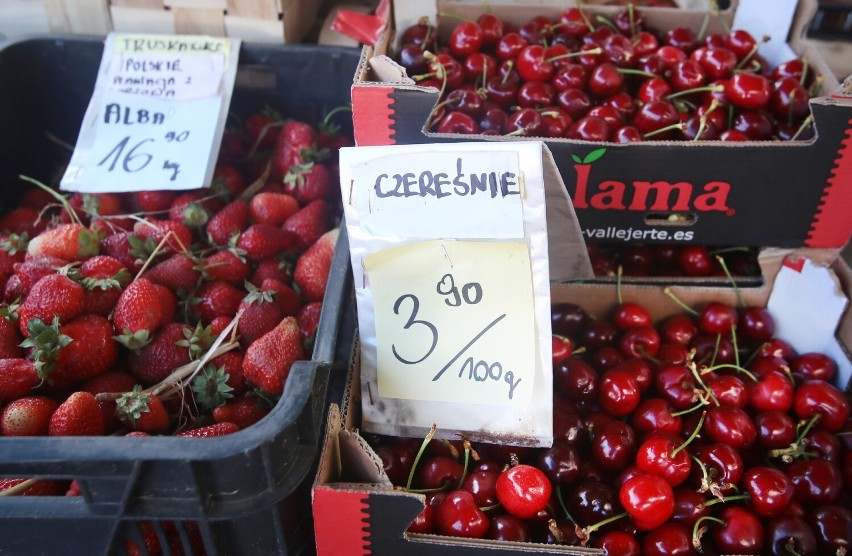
[
  {"x": 594, "y": 78},
  {"x": 700, "y": 434},
  {"x": 164, "y": 312}
]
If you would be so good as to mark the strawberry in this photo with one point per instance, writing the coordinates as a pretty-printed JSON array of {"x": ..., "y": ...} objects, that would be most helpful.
[
  {"x": 313, "y": 267},
  {"x": 110, "y": 382},
  {"x": 309, "y": 317},
  {"x": 295, "y": 140},
  {"x": 272, "y": 208},
  {"x": 138, "y": 313},
  {"x": 22, "y": 220},
  {"x": 211, "y": 387},
  {"x": 198, "y": 341},
  {"x": 309, "y": 182},
  {"x": 54, "y": 295},
  {"x": 272, "y": 186},
  {"x": 233, "y": 145},
  {"x": 161, "y": 356},
  {"x": 217, "y": 299},
  {"x": 17, "y": 377},
  {"x": 9, "y": 340},
  {"x": 261, "y": 127},
  {"x": 45, "y": 342},
  {"x": 243, "y": 411},
  {"x": 36, "y": 198},
  {"x": 27, "y": 416},
  {"x": 329, "y": 137},
  {"x": 268, "y": 360},
  {"x": 91, "y": 351},
  {"x": 261, "y": 241},
  {"x": 102, "y": 278},
  {"x": 71, "y": 242},
  {"x": 74, "y": 489},
  {"x": 272, "y": 267},
  {"x": 227, "y": 180},
  {"x": 93, "y": 205},
  {"x": 107, "y": 226},
  {"x": 228, "y": 222},
  {"x": 142, "y": 411},
  {"x": 226, "y": 266},
  {"x": 287, "y": 299},
  {"x": 210, "y": 431},
  {"x": 78, "y": 415},
  {"x": 120, "y": 247},
  {"x": 42, "y": 487},
  {"x": 151, "y": 202},
  {"x": 180, "y": 236},
  {"x": 178, "y": 272},
  {"x": 34, "y": 269},
  {"x": 312, "y": 221},
  {"x": 13, "y": 247},
  {"x": 168, "y": 304},
  {"x": 260, "y": 314},
  {"x": 193, "y": 209},
  {"x": 231, "y": 362}
]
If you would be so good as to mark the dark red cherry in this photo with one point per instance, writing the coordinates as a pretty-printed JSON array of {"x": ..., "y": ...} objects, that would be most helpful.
[
  {"x": 676, "y": 385},
  {"x": 576, "y": 379},
  {"x": 592, "y": 501},
  {"x": 598, "y": 334},
  {"x": 439, "y": 472},
  {"x": 770, "y": 489},
  {"x": 718, "y": 63},
  {"x": 482, "y": 484},
  {"x": 731, "y": 426},
  {"x": 678, "y": 329},
  {"x": 774, "y": 429},
  {"x": 618, "y": 393},
  {"x": 755, "y": 324},
  {"x": 573, "y": 22},
  {"x": 680, "y": 37},
  {"x": 605, "y": 80},
  {"x": 641, "y": 341},
  {"x": 618, "y": 543},
  {"x": 776, "y": 347},
  {"x": 729, "y": 391},
  {"x": 816, "y": 482},
  {"x": 648, "y": 499},
  {"x": 523, "y": 490},
  {"x": 479, "y": 68},
  {"x": 655, "y": 116},
  {"x": 772, "y": 392},
  {"x": 623, "y": 104},
  {"x": 494, "y": 120},
  {"x": 652, "y": 89},
  {"x": 608, "y": 114},
  {"x": 421, "y": 34},
  {"x": 689, "y": 506},
  {"x": 686, "y": 75},
  {"x": 672, "y": 354},
  {"x": 645, "y": 44},
  {"x": 555, "y": 122},
  {"x": 742, "y": 532},
  {"x": 561, "y": 464},
  {"x": 536, "y": 94},
  {"x": 755, "y": 124},
  {"x": 832, "y": 525},
  {"x": 696, "y": 129},
  {"x": 695, "y": 260},
  {"x": 652, "y": 63},
  {"x": 424, "y": 522},
  {"x": 639, "y": 368},
  {"x": 575, "y": 102},
  {"x": 570, "y": 76},
  {"x": 814, "y": 366},
  {"x": 458, "y": 122},
  {"x": 606, "y": 358},
  {"x": 817, "y": 397},
  {"x": 525, "y": 122},
  {"x": 659, "y": 456},
  {"x": 458, "y": 516},
  {"x": 655, "y": 414},
  {"x": 716, "y": 318},
  {"x": 614, "y": 445},
  {"x": 492, "y": 28},
  {"x": 503, "y": 93},
  {"x": 786, "y": 535},
  {"x": 723, "y": 463},
  {"x": 567, "y": 318},
  {"x": 618, "y": 50},
  {"x": 508, "y": 528},
  {"x": 510, "y": 46},
  {"x": 412, "y": 59},
  {"x": 669, "y": 539},
  {"x": 626, "y": 134},
  {"x": 824, "y": 445},
  {"x": 711, "y": 349},
  {"x": 789, "y": 99},
  {"x": 589, "y": 128}
]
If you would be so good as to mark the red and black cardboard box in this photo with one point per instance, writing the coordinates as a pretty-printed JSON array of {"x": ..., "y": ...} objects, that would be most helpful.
[{"x": 782, "y": 194}]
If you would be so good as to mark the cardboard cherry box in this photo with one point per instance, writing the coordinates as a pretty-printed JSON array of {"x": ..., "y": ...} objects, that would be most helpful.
[{"x": 781, "y": 194}]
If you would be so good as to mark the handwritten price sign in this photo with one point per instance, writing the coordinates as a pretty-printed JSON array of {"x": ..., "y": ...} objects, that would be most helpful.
[
  {"x": 156, "y": 118},
  {"x": 454, "y": 321}
]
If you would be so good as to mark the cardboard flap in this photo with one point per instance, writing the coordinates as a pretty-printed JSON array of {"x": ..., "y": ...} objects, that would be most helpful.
[
  {"x": 569, "y": 259},
  {"x": 388, "y": 71}
]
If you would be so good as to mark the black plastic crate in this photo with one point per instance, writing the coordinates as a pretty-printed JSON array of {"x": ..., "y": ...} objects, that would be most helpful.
[{"x": 242, "y": 491}]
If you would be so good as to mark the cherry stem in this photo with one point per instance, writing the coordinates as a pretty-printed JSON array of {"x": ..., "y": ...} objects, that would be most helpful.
[
  {"x": 733, "y": 282},
  {"x": 509, "y": 65},
  {"x": 790, "y": 546},
  {"x": 338, "y": 110},
  {"x": 18, "y": 488},
  {"x": 668, "y": 291},
  {"x": 805, "y": 124},
  {"x": 702, "y": 125},
  {"x": 605, "y": 20},
  {"x": 714, "y": 8},
  {"x": 735, "y": 497},
  {"x": 692, "y": 367},
  {"x": 677, "y": 126},
  {"x": 703, "y": 30},
  {"x": 736, "y": 349},
  {"x": 574, "y": 54},
  {"x": 618, "y": 276},
  {"x": 790, "y": 108},
  {"x": 730, "y": 366},
  {"x": 647, "y": 355},
  {"x": 564, "y": 507},
  {"x": 585, "y": 17},
  {"x": 699, "y": 405},
  {"x": 517, "y": 133},
  {"x": 426, "y": 440},
  {"x": 816, "y": 85},
  {"x": 691, "y": 436},
  {"x": 804, "y": 76},
  {"x": 752, "y": 52},
  {"x": 698, "y": 531},
  {"x": 484, "y": 75},
  {"x": 592, "y": 528},
  {"x": 453, "y": 16},
  {"x": 628, "y": 71},
  {"x": 489, "y": 508},
  {"x": 630, "y": 17},
  {"x": 706, "y": 88},
  {"x": 467, "y": 449}
]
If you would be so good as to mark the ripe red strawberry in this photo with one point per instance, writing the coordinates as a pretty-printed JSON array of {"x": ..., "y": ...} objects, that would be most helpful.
[
  {"x": 119, "y": 246},
  {"x": 310, "y": 222},
  {"x": 110, "y": 382},
  {"x": 309, "y": 182},
  {"x": 22, "y": 220},
  {"x": 168, "y": 304},
  {"x": 268, "y": 360},
  {"x": 287, "y": 299},
  {"x": 272, "y": 186},
  {"x": 260, "y": 241},
  {"x": 210, "y": 431},
  {"x": 92, "y": 350},
  {"x": 211, "y": 387},
  {"x": 161, "y": 356},
  {"x": 154, "y": 201},
  {"x": 272, "y": 208},
  {"x": 54, "y": 295},
  {"x": 272, "y": 267},
  {"x": 9, "y": 340},
  {"x": 262, "y": 127},
  {"x": 193, "y": 209},
  {"x": 231, "y": 363},
  {"x": 138, "y": 313},
  {"x": 70, "y": 242},
  {"x": 293, "y": 142},
  {"x": 90, "y": 206},
  {"x": 34, "y": 269},
  {"x": 227, "y": 180},
  {"x": 102, "y": 278},
  {"x": 180, "y": 236},
  {"x": 228, "y": 222},
  {"x": 219, "y": 324},
  {"x": 313, "y": 267},
  {"x": 13, "y": 247},
  {"x": 142, "y": 411},
  {"x": 178, "y": 272},
  {"x": 27, "y": 416},
  {"x": 217, "y": 299},
  {"x": 17, "y": 377},
  {"x": 260, "y": 314},
  {"x": 243, "y": 411},
  {"x": 225, "y": 265},
  {"x": 36, "y": 198},
  {"x": 309, "y": 317},
  {"x": 78, "y": 415}
]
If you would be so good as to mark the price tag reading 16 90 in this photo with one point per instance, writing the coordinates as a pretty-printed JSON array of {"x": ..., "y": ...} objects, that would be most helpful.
[{"x": 451, "y": 323}]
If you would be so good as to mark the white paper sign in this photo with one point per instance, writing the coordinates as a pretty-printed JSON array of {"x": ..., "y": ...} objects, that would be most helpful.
[
  {"x": 156, "y": 117},
  {"x": 453, "y": 291}
]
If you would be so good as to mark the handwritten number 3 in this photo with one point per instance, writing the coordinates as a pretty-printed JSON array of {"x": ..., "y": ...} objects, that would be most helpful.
[{"x": 412, "y": 320}]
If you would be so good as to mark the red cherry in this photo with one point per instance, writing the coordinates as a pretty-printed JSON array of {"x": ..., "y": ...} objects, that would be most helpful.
[
  {"x": 570, "y": 76},
  {"x": 648, "y": 499},
  {"x": 817, "y": 397},
  {"x": 508, "y": 528},
  {"x": 625, "y": 134},
  {"x": 774, "y": 429},
  {"x": 772, "y": 392},
  {"x": 741, "y": 533},
  {"x": 652, "y": 89},
  {"x": 575, "y": 102},
  {"x": 731, "y": 426},
  {"x": 676, "y": 385},
  {"x": 755, "y": 124},
  {"x": 690, "y": 505},
  {"x": 479, "y": 68},
  {"x": 555, "y": 121},
  {"x": 588, "y": 128},
  {"x": 814, "y": 366},
  {"x": 561, "y": 464},
  {"x": 678, "y": 329},
  {"x": 614, "y": 445},
  {"x": 573, "y": 22},
  {"x": 510, "y": 46},
  {"x": 458, "y": 516},
  {"x": 526, "y": 122},
  {"x": 740, "y": 42},
  {"x": 482, "y": 483},
  {"x": 755, "y": 324},
  {"x": 816, "y": 482},
  {"x": 656, "y": 456},
  {"x": 655, "y": 414},
  {"x": 748, "y": 90},
  {"x": 465, "y": 39},
  {"x": 639, "y": 368},
  {"x": 630, "y": 315},
  {"x": 723, "y": 463},
  {"x": 729, "y": 391},
  {"x": 718, "y": 63},
  {"x": 687, "y": 74},
  {"x": 492, "y": 28},
  {"x": 618, "y": 543},
  {"x": 716, "y": 318},
  {"x": 561, "y": 348},
  {"x": 655, "y": 116},
  {"x": 641, "y": 341},
  {"x": 618, "y": 393},
  {"x": 424, "y": 522},
  {"x": 439, "y": 472},
  {"x": 695, "y": 260},
  {"x": 536, "y": 94},
  {"x": 458, "y": 122},
  {"x": 680, "y": 37},
  {"x": 502, "y": 92},
  {"x": 669, "y": 539},
  {"x": 605, "y": 80},
  {"x": 623, "y": 104},
  {"x": 789, "y": 99},
  {"x": 523, "y": 490},
  {"x": 771, "y": 490}
]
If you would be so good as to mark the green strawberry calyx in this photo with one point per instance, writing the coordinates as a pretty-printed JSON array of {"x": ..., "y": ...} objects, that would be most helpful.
[
  {"x": 211, "y": 387},
  {"x": 131, "y": 405},
  {"x": 47, "y": 341}
]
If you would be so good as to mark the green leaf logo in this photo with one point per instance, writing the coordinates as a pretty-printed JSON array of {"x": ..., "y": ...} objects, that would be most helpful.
[
  {"x": 594, "y": 155},
  {"x": 577, "y": 159}
]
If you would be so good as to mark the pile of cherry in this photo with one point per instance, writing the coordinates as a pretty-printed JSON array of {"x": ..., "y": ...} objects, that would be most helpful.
[
  {"x": 591, "y": 78},
  {"x": 694, "y": 261},
  {"x": 702, "y": 434}
]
